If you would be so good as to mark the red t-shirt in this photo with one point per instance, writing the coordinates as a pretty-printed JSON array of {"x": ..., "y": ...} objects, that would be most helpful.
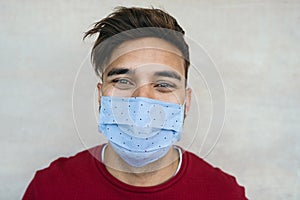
[{"x": 85, "y": 177}]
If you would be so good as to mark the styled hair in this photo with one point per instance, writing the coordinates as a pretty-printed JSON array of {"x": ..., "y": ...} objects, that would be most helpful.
[{"x": 132, "y": 23}]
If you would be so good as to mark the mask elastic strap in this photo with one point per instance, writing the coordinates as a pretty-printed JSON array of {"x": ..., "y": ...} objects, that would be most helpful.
[
  {"x": 100, "y": 99},
  {"x": 183, "y": 105}
]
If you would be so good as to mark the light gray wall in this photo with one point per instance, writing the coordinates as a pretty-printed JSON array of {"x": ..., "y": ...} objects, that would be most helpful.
[{"x": 255, "y": 45}]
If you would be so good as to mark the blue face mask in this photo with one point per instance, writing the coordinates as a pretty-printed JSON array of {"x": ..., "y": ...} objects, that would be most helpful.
[{"x": 140, "y": 130}]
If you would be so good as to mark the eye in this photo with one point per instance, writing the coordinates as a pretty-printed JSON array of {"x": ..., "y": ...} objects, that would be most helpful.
[
  {"x": 122, "y": 83},
  {"x": 165, "y": 86}
]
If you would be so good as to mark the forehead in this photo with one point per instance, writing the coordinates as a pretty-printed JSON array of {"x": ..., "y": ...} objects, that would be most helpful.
[{"x": 146, "y": 52}]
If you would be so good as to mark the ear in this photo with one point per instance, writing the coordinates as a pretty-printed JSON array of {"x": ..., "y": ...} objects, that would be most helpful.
[
  {"x": 188, "y": 97},
  {"x": 99, "y": 85}
]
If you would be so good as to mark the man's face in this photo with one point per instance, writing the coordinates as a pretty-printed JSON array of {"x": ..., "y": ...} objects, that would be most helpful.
[{"x": 146, "y": 67}]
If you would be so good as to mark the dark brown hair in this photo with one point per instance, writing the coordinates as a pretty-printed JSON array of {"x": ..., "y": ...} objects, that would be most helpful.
[{"x": 131, "y": 23}]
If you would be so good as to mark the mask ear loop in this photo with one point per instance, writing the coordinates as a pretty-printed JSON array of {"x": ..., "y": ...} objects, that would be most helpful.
[
  {"x": 100, "y": 92},
  {"x": 184, "y": 102},
  {"x": 183, "y": 105}
]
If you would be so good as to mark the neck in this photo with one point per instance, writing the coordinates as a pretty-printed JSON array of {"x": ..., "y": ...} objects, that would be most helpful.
[{"x": 152, "y": 174}]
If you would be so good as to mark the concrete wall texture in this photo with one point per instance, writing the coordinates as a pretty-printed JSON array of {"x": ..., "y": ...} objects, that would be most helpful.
[{"x": 255, "y": 45}]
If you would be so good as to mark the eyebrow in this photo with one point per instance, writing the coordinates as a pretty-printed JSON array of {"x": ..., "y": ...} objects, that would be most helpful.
[
  {"x": 169, "y": 74},
  {"x": 118, "y": 71}
]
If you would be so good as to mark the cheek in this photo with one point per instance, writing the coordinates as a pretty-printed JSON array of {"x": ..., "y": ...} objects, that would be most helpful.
[
  {"x": 173, "y": 97},
  {"x": 112, "y": 91}
]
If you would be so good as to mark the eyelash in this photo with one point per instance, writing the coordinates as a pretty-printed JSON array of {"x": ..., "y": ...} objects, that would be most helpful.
[
  {"x": 122, "y": 83},
  {"x": 164, "y": 85},
  {"x": 118, "y": 80}
]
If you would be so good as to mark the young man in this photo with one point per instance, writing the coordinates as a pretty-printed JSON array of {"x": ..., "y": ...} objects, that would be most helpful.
[{"x": 143, "y": 61}]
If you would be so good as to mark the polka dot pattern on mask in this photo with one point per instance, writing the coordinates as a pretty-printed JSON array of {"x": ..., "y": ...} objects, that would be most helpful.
[{"x": 140, "y": 124}]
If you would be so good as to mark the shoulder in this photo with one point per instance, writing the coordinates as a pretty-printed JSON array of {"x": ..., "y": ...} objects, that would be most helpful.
[
  {"x": 199, "y": 165},
  {"x": 73, "y": 163},
  {"x": 212, "y": 178},
  {"x": 64, "y": 175}
]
